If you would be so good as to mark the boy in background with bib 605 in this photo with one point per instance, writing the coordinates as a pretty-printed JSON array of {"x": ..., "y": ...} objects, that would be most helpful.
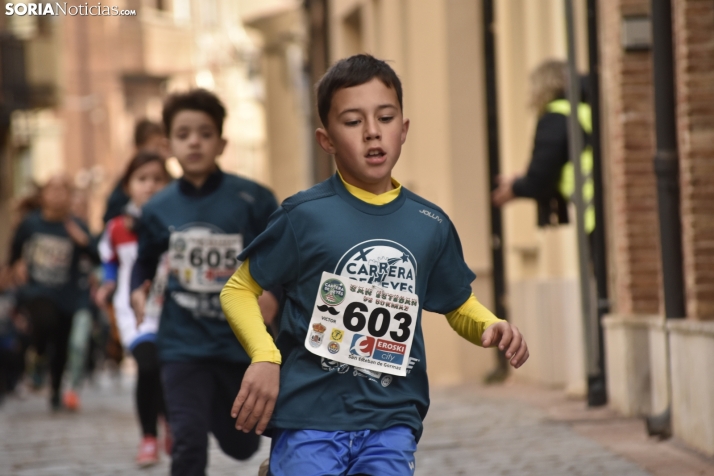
[
  {"x": 359, "y": 257},
  {"x": 203, "y": 220}
]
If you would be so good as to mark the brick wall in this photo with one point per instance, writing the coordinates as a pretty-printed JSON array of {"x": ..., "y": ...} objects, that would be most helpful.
[
  {"x": 629, "y": 142},
  {"x": 694, "y": 59}
]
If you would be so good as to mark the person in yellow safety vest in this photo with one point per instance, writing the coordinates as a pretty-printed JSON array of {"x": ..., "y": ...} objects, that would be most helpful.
[{"x": 550, "y": 178}]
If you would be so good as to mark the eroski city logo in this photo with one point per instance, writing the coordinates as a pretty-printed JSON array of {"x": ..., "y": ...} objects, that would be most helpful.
[
  {"x": 381, "y": 262},
  {"x": 362, "y": 345}
]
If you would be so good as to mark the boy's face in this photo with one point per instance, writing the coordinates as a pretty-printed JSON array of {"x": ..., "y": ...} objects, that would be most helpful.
[
  {"x": 195, "y": 143},
  {"x": 365, "y": 133},
  {"x": 57, "y": 195}
]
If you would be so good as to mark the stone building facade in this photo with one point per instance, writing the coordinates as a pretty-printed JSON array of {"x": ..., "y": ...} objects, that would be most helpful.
[{"x": 653, "y": 363}]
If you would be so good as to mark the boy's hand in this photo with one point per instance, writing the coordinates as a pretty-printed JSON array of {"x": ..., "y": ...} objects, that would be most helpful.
[
  {"x": 138, "y": 301},
  {"x": 508, "y": 339},
  {"x": 256, "y": 399},
  {"x": 76, "y": 233},
  {"x": 19, "y": 271}
]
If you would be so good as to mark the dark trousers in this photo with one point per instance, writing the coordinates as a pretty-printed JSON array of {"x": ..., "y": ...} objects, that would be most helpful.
[
  {"x": 50, "y": 329},
  {"x": 199, "y": 397},
  {"x": 149, "y": 392}
]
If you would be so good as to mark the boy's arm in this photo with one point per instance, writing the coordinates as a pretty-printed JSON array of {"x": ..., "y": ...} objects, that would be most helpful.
[
  {"x": 79, "y": 233},
  {"x": 153, "y": 240},
  {"x": 471, "y": 320},
  {"x": 255, "y": 401},
  {"x": 18, "y": 241},
  {"x": 475, "y": 323},
  {"x": 110, "y": 266},
  {"x": 19, "y": 267},
  {"x": 239, "y": 300}
]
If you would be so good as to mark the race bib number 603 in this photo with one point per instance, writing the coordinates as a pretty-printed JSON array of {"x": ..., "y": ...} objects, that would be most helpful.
[{"x": 364, "y": 325}]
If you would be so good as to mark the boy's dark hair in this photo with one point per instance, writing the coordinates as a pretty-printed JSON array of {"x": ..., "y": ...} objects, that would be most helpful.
[
  {"x": 353, "y": 71},
  {"x": 30, "y": 202},
  {"x": 139, "y": 160},
  {"x": 194, "y": 100},
  {"x": 144, "y": 130}
]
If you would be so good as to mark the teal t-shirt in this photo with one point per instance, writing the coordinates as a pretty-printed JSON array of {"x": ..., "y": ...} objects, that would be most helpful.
[
  {"x": 408, "y": 244},
  {"x": 202, "y": 234},
  {"x": 52, "y": 259}
]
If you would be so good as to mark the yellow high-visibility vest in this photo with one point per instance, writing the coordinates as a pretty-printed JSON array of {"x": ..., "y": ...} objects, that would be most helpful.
[{"x": 566, "y": 185}]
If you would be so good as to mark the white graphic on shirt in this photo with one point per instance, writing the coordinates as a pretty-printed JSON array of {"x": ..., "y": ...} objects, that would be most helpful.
[
  {"x": 385, "y": 263},
  {"x": 49, "y": 258},
  {"x": 382, "y": 262}
]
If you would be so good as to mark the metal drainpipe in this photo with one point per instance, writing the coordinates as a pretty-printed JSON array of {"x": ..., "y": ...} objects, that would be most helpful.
[
  {"x": 319, "y": 60},
  {"x": 499, "y": 272},
  {"x": 666, "y": 166},
  {"x": 575, "y": 146},
  {"x": 597, "y": 389}
]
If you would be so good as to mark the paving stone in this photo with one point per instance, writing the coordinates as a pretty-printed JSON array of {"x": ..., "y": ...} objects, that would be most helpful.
[
  {"x": 469, "y": 431},
  {"x": 478, "y": 436},
  {"x": 100, "y": 440}
]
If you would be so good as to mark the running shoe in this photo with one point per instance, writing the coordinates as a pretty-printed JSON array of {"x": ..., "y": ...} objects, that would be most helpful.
[
  {"x": 148, "y": 454},
  {"x": 71, "y": 401}
]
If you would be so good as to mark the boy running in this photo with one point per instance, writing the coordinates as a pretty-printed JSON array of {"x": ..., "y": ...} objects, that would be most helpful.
[
  {"x": 45, "y": 256},
  {"x": 204, "y": 220},
  {"x": 359, "y": 257}
]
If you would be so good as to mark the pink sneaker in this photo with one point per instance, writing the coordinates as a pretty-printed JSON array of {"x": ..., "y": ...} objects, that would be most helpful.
[
  {"x": 148, "y": 454},
  {"x": 71, "y": 401}
]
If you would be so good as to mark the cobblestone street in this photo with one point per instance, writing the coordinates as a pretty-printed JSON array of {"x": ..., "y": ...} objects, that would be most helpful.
[{"x": 513, "y": 429}]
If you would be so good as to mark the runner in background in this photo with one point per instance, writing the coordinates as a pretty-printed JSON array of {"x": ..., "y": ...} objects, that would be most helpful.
[
  {"x": 45, "y": 256},
  {"x": 86, "y": 314},
  {"x": 145, "y": 175},
  {"x": 149, "y": 137},
  {"x": 14, "y": 338},
  {"x": 204, "y": 219}
]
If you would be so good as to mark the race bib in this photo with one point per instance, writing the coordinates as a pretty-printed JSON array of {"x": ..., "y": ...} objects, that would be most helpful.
[
  {"x": 203, "y": 261},
  {"x": 50, "y": 259},
  {"x": 363, "y": 325}
]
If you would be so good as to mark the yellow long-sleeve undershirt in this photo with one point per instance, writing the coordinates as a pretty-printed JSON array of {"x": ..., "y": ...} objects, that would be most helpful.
[{"x": 239, "y": 300}]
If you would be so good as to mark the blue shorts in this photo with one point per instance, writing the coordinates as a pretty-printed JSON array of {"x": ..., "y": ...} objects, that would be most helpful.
[{"x": 387, "y": 452}]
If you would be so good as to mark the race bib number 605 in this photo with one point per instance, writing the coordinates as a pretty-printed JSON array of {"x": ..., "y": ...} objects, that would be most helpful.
[
  {"x": 202, "y": 261},
  {"x": 364, "y": 325}
]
